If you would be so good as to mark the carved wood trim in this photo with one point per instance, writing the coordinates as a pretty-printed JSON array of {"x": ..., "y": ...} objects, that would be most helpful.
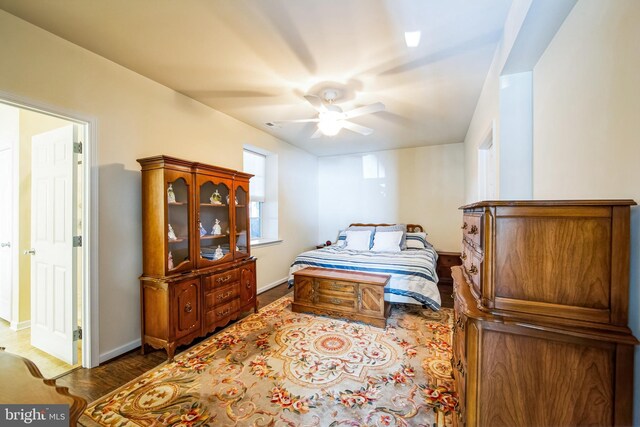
[{"x": 411, "y": 228}]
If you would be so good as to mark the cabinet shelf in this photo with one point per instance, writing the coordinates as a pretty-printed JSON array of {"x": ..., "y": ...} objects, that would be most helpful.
[
  {"x": 177, "y": 203},
  {"x": 178, "y": 240},
  {"x": 241, "y": 206},
  {"x": 213, "y": 236},
  {"x": 211, "y": 205}
]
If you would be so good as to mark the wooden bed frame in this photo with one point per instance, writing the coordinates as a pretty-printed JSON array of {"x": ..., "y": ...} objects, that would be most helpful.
[{"x": 411, "y": 228}]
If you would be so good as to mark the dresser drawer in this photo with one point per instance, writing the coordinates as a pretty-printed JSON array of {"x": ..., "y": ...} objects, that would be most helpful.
[
  {"x": 221, "y": 279},
  {"x": 473, "y": 270},
  {"x": 221, "y": 312},
  {"x": 220, "y": 296},
  {"x": 472, "y": 230}
]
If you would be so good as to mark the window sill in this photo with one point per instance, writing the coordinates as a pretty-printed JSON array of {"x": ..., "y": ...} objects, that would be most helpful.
[{"x": 264, "y": 242}]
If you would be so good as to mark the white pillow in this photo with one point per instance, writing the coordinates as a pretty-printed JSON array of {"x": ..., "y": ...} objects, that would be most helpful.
[
  {"x": 416, "y": 240},
  {"x": 358, "y": 240},
  {"x": 389, "y": 241}
]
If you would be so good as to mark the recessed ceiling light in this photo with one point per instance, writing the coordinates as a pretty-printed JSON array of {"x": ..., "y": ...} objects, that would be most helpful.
[{"x": 412, "y": 38}]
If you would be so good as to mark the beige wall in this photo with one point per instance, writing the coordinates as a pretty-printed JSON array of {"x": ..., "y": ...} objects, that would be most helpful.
[
  {"x": 423, "y": 185},
  {"x": 137, "y": 117},
  {"x": 31, "y": 124},
  {"x": 587, "y": 120}
]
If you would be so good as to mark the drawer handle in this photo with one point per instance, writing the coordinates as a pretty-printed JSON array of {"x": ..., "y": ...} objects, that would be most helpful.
[
  {"x": 464, "y": 226},
  {"x": 473, "y": 269},
  {"x": 335, "y": 287},
  {"x": 248, "y": 284},
  {"x": 474, "y": 229},
  {"x": 224, "y": 313},
  {"x": 463, "y": 256},
  {"x": 188, "y": 308},
  {"x": 224, "y": 279},
  {"x": 335, "y": 301},
  {"x": 225, "y": 295}
]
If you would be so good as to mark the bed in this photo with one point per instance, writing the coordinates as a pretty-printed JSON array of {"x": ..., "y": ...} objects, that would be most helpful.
[{"x": 413, "y": 271}]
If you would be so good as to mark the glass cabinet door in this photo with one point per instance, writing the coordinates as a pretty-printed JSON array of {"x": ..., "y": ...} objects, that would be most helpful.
[
  {"x": 242, "y": 220},
  {"x": 213, "y": 224},
  {"x": 178, "y": 230}
]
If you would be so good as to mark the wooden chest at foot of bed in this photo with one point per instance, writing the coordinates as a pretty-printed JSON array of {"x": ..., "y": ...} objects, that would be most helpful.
[{"x": 341, "y": 294}]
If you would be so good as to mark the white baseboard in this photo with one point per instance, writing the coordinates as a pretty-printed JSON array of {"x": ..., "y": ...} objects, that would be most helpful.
[
  {"x": 271, "y": 285},
  {"x": 136, "y": 343},
  {"x": 17, "y": 326},
  {"x": 119, "y": 350}
]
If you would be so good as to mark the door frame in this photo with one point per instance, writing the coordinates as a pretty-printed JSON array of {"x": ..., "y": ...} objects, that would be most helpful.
[{"x": 89, "y": 171}]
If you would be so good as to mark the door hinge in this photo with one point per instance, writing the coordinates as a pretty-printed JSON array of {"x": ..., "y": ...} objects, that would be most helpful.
[
  {"x": 77, "y": 241},
  {"x": 77, "y": 147},
  {"x": 77, "y": 334}
]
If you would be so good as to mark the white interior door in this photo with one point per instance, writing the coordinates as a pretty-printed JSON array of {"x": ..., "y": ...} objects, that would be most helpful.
[
  {"x": 6, "y": 228},
  {"x": 53, "y": 222}
]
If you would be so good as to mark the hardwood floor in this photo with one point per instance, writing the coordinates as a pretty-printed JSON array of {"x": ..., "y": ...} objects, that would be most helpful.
[{"x": 94, "y": 383}]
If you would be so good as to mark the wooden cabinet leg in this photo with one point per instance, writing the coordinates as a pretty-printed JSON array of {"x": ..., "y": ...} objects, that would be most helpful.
[
  {"x": 171, "y": 350},
  {"x": 142, "y": 348}
]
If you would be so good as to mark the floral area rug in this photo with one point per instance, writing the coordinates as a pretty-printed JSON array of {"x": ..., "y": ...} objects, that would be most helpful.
[{"x": 279, "y": 368}]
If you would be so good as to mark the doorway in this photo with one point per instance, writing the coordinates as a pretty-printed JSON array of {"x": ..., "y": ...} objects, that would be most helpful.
[{"x": 41, "y": 260}]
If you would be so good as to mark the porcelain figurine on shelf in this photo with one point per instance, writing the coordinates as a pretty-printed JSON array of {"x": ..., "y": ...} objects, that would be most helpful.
[
  {"x": 216, "y": 198},
  {"x": 170, "y": 261},
  {"x": 172, "y": 234},
  {"x": 203, "y": 232},
  {"x": 218, "y": 253},
  {"x": 217, "y": 230},
  {"x": 171, "y": 196},
  {"x": 237, "y": 248},
  {"x": 227, "y": 199}
]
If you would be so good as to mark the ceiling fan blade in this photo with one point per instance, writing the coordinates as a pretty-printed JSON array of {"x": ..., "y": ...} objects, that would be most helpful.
[
  {"x": 296, "y": 121},
  {"x": 362, "y": 130},
  {"x": 316, "y": 134},
  {"x": 316, "y": 103},
  {"x": 367, "y": 109}
]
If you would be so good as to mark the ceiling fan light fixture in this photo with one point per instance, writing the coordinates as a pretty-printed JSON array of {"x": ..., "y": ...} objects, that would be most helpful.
[
  {"x": 412, "y": 38},
  {"x": 330, "y": 127}
]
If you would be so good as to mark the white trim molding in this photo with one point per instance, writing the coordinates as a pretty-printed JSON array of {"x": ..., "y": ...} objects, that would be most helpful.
[
  {"x": 271, "y": 285},
  {"x": 18, "y": 326},
  {"x": 119, "y": 350}
]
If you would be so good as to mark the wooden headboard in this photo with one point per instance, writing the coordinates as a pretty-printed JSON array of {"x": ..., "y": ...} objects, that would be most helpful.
[{"x": 411, "y": 228}]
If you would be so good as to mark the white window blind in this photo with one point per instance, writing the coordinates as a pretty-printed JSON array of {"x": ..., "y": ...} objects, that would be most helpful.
[{"x": 255, "y": 164}]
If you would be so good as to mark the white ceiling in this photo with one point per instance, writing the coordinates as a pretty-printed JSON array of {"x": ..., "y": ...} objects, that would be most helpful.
[{"x": 255, "y": 59}]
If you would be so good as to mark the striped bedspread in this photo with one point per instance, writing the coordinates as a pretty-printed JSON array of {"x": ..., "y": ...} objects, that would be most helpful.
[{"x": 413, "y": 272}]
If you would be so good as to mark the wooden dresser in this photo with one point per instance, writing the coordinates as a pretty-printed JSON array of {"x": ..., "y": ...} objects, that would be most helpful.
[
  {"x": 342, "y": 294},
  {"x": 198, "y": 273},
  {"x": 541, "y": 314}
]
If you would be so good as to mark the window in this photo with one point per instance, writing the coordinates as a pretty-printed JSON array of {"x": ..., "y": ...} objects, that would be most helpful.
[{"x": 263, "y": 209}]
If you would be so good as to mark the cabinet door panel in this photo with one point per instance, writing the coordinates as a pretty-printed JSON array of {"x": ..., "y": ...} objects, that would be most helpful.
[
  {"x": 186, "y": 306},
  {"x": 242, "y": 219},
  {"x": 214, "y": 220},
  {"x": 371, "y": 300},
  {"x": 248, "y": 285},
  {"x": 303, "y": 289},
  {"x": 179, "y": 211}
]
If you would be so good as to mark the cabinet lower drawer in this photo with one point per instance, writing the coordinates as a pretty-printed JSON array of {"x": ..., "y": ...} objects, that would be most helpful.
[
  {"x": 221, "y": 296},
  {"x": 221, "y": 279},
  {"x": 221, "y": 312}
]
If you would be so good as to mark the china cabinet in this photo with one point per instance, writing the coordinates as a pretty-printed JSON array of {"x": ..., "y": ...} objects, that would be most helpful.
[{"x": 198, "y": 273}]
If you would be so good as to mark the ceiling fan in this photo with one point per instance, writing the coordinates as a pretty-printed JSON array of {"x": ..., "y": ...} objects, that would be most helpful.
[{"x": 331, "y": 119}]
